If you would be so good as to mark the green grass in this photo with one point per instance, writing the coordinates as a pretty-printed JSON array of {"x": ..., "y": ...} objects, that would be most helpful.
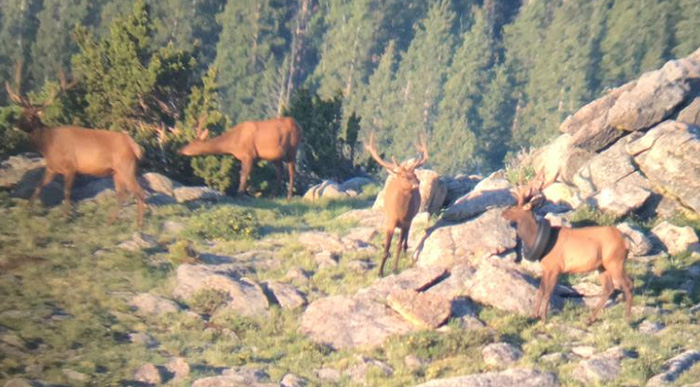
[{"x": 65, "y": 287}]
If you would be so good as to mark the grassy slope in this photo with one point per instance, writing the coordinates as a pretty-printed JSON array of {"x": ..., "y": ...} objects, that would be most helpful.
[{"x": 69, "y": 306}]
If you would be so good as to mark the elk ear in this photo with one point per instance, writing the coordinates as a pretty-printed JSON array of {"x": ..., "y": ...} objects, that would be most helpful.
[
  {"x": 537, "y": 201},
  {"x": 527, "y": 207},
  {"x": 204, "y": 135}
]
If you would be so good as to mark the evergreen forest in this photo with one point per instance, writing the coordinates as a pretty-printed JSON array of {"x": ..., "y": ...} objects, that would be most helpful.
[{"x": 482, "y": 78}]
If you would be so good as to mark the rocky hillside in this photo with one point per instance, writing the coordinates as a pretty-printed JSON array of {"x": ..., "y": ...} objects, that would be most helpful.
[{"x": 220, "y": 291}]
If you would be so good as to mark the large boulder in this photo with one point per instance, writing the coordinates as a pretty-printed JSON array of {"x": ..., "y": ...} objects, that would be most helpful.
[
  {"x": 505, "y": 288},
  {"x": 667, "y": 155},
  {"x": 424, "y": 310},
  {"x": 432, "y": 191},
  {"x": 561, "y": 157},
  {"x": 590, "y": 127},
  {"x": 494, "y": 191},
  {"x": 245, "y": 295},
  {"x": 601, "y": 368},
  {"x": 328, "y": 189},
  {"x": 15, "y": 168},
  {"x": 518, "y": 377},
  {"x": 674, "y": 368},
  {"x": 676, "y": 239},
  {"x": 623, "y": 197},
  {"x": 347, "y": 322},
  {"x": 690, "y": 114},
  {"x": 459, "y": 186},
  {"x": 655, "y": 96},
  {"x": 451, "y": 244},
  {"x": 605, "y": 169}
]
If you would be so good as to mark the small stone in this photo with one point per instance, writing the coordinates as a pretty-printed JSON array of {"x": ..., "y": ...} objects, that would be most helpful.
[
  {"x": 291, "y": 380},
  {"x": 674, "y": 368},
  {"x": 413, "y": 363},
  {"x": 601, "y": 368},
  {"x": 499, "y": 354},
  {"x": 360, "y": 265},
  {"x": 75, "y": 375},
  {"x": 650, "y": 327},
  {"x": 326, "y": 259},
  {"x": 425, "y": 310},
  {"x": 328, "y": 374},
  {"x": 585, "y": 352},
  {"x": 143, "y": 339},
  {"x": 148, "y": 373},
  {"x": 556, "y": 357},
  {"x": 358, "y": 372},
  {"x": 287, "y": 296},
  {"x": 149, "y": 305},
  {"x": 179, "y": 367}
]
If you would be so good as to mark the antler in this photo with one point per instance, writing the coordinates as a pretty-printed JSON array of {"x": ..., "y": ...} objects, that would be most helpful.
[
  {"x": 15, "y": 96},
  {"x": 202, "y": 134},
  {"x": 63, "y": 86},
  {"x": 373, "y": 152},
  {"x": 423, "y": 150},
  {"x": 527, "y": 193}
]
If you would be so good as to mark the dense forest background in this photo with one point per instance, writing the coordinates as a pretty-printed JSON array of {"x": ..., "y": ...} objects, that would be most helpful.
[{"x": 481, "y": 77}]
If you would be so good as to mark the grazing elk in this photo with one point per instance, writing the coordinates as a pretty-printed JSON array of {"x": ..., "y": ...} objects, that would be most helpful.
[
  {"x": 401, "y": 198},
  {"x": 72, "y": 150},
  {"x": 276, "y": 140},
  {"x": 567, "y": 250}
]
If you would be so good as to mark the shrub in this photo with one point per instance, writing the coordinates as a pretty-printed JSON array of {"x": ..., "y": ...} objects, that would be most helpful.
[
  {"x": 207, "y": 301},
  {"x": 224, "y": 223}
]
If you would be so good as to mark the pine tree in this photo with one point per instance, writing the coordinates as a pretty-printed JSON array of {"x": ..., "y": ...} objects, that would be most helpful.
[
  {"x": 421, "y": 77},
  {"x": 18, "y": 27},
  {"x": 496, "y": 112},
  {"x": 252, "y": 46}
]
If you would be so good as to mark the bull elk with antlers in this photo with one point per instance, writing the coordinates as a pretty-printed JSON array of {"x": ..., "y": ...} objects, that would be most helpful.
[
  {"x": 72, "y": 150},
  {"x": 276, "y": 140},
  {"x": 401, "y": 199},
  {"x": 567, "y": 250}
]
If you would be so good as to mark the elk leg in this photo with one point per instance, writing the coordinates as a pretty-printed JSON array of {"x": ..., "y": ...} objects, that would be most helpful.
[
  {"x": 291, "y": 165},
  {"x": 550, "y": 279},
  {"x": 627, "y": 285},
  {"x": 538, "y": 301},
  {"x": 399, "y": 244},
  {"x": 278, "y": 183},
  {"x": 134, "y": 187},
  {"x": 119, "y": 192},
  {"x": 246, "y": 167},
  {"x": 404, "y": 237},
  {"x": 68, "y": 180},
  {"x": 48, "y": 178},
  {"x": 387, "y": 244},
  {"x": 607, "y": 285}
]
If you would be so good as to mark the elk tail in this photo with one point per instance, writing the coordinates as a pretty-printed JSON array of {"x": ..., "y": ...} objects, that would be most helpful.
[{"x": 138, "y": 152}]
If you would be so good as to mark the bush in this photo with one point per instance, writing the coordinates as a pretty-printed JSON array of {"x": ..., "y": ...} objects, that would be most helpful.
[
  {"x": 224, "y": 223},
  {"x": 207, "y": 301},
  {"x": 13, "y": 140}
]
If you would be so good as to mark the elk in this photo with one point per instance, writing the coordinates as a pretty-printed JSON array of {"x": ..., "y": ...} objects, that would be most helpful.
[
  {"x": 401, "y": 198},
  {"x": 569, "y": 250},
  {"x": 73, "y": 150},
  {"x": 276, "y": 140}
]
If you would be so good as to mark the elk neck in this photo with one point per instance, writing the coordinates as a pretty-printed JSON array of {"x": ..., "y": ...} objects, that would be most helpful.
[
  {"x": 527, "y": 228},
  {"x": 214, "y": 146}
]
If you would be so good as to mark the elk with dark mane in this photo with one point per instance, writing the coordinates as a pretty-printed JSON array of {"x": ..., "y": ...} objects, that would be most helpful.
[
  {"x": 73, "y": 150},
  {"x": 401, "y": 198},
  {"x": 569, "y": 250},
  {"x": 276, "y": 140}
]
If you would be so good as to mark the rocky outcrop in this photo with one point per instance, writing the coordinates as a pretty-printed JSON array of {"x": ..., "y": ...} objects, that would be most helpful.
[
  {"x": 328, "y": 189},
  {"x": 676, "y": 239},
  {"x": 492, "y": 192},
  {"x": 519, "y": 377},
  {"x": 674, "y": 367}
]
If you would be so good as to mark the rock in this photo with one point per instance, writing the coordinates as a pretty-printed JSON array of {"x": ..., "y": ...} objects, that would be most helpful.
[
  {"x": 297, "y": 274},
  {"x": 501, "y": 354},
  {"x": 328, "y": 374},
  {"x": 228, "y": 381},
  {"x": 459, "y": 186},
  {"x": 365, "y": 217},
  {"x": 14, "y": 170},
  {"x": 190, "y": 194},
  {"x": 413, "y": 363},
  {"x": 666, "y": 155},
  {"x": 319, "y": 241},
  {"x": 148, "y": 374},
  {"x": 139, "y": 241},
  {"x": 245, "y": 295},
  {"x": 250, "y": 375},
  {"x": 326, "y": 259},
  {"x": 562, "y": 193},
  {"x": 556, "y": 357},
  {"x": 623, "y": 197},
  {"x": 159, "y": 183},
  {"x": 600, "y": 368},
  {"x": 287, "y": 296},
  {"x": 356, "y": 184},
  {"x": 450, "y": 244},
  {"x": 562, "y": 158},
  {"x": 173, "y": 227},
  {"x": 291, "y": 380},
  {"x": 505, "y": 289},
  {"x": 179, "y": 368},
  {"x": 691, "y": 113},
  {"x": 491, "y": 192},
  {"x": 143, "y": 339},
  {"x": 22, "y": 382},
  {"x": 328, "y": 189},
  {"x": 605, "y": 169},
  {"x": 75, "y": 376},
  {"x": 676, "y": 239},
  {"x": 640, "y": 245},
  {"x": 346, "y": 322},
  {"x": 149, "y": 305},
  {"x": 584, "y": 351},
  {"x": 358, "y": 372},
  {"x": 424, "y": 310},
  {"x": 674, "y": 367},
  {"x": 519, "y": 377},
  {"x": 649, "y": 327},
  {"x": 654, "y": 96},
  {"x": 416, "y": 279},
  {"x": 360, "y": 265},
  {"x": 589, "y": 126},
  {"x": 362, "y": 234},
  {"x": 432, "y": 191}
]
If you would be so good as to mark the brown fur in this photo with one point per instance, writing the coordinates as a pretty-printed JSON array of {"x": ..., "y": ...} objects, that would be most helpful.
[
  {"x": 72, "y": 150},
  {"x": 401, "y": 200},
  {"x": 578, "y": 250},
  {"x": 276, "y": 140}
]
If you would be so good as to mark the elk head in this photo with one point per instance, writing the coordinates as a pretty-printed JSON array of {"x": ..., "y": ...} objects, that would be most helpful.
[
  {"x": 195, "y": 147},
  {"x": 30, "y": 118},
  {"x": 527, "y": 197},
  {"x": 404, "y": 172}
]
